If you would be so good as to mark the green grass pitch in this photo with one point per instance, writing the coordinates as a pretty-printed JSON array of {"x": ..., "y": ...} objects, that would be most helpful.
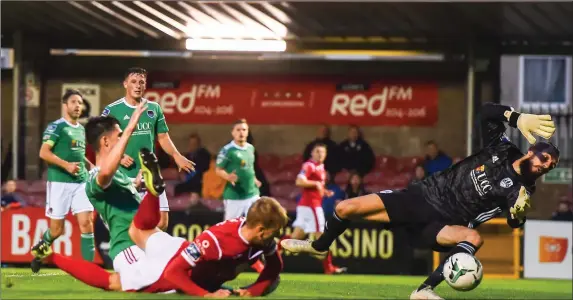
[{"x": 55, "y": 284}]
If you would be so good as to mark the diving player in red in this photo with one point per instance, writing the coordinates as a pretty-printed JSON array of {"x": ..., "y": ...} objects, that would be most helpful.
[
  {"x": 197, "y": 268},
  {"x": 309, "y": 213}
]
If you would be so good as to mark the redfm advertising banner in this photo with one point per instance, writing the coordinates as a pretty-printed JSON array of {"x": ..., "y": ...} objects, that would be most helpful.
[
  {"x": 288, "y": 101},
  {"x": 22, "y": 228}
]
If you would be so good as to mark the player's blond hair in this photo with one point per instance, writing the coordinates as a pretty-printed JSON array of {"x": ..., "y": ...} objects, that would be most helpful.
[{"x": 267, "y": 212}]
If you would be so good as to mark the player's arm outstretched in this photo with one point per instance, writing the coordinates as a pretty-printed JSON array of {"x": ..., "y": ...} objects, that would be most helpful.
[
  {"x": 266, "y": 283},
  {"x": 111, "y": 163},
  {"x": 51, "y": 137},
  {"x": 494, "y": 116},
  {"x": 167, "y": 145}
]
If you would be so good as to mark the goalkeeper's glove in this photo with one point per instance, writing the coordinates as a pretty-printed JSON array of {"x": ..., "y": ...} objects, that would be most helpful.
[
  {"x": 521, "y": 205},
  {"x": 529, "y": 124}
]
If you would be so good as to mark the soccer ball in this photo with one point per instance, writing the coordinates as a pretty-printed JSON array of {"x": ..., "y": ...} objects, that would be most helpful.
[{"x": 463, "y": 272}]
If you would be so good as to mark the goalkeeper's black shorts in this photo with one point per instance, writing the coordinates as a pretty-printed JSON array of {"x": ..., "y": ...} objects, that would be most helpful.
[{"x": 408, "y": 208}]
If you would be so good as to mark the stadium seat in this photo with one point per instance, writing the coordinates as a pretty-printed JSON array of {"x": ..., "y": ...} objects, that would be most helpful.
[
  {"x": 266, "y": 161},
  {"x": 408, "y": 163},
  {"x": 384, "y": 162},
  {"x": 286, "y": 177},
  {"x": 342, "y": 177},
  {"x": 289, "y": 161},
  {"x": 36, "y": 187},
  {"x": 372, "y": 178},
  {"x": 213, "y": 204},
  {"x": 170, "y": 174},
  {"x": 284, "y": 191}
]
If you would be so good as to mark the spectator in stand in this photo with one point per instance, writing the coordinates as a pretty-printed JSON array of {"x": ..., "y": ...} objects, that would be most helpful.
[
  {"x": 192, "y": 182},
  {"x": 357, "y": 155},
  {"x": 331, "y": 164},
  {"x": 213, "y": 184},
  {"x": 355, "y": 187},
  {"x": 338, "y": 195},
  {"x": 264, "y": 189},
  {"x": 564, "y": 212},
  {"x": 419, "y": 174},
  {"x": 11, "y": 199},
  {"x": 436, "y": 160}
]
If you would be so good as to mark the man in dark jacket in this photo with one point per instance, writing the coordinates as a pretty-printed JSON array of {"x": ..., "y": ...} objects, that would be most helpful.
[
  {"x": 332, "y": 162},
  {"x": 193, "y": 182},
  {"x": 357, "y": 155}
]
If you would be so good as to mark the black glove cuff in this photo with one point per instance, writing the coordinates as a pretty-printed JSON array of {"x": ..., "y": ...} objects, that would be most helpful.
[{"x": 513, "y": 119}]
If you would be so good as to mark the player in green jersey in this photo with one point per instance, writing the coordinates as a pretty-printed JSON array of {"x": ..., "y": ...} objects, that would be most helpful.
[
  {"x": 151, "y": 125},
  {"x": 109, "y": 188},
  {"x": 236, "y": 164},
  {"x": 63, "y": 148}
]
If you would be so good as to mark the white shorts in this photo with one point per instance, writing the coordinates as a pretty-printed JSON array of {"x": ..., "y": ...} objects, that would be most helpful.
[
  {"x": 61, "y": 197},
  {"x": 310, "y": 219},
  {"x": 126, "y": 258},
  {"x": 163, "y": 203},
  {"x": 159, "y": 250},
  {"x": 238, "y": 208}
]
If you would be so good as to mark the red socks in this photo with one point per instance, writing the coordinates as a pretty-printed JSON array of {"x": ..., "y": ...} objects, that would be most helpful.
[
  {"x": 147, "y": 216},
  {"x": 84, "y": 271},
  {"x": 327, "y": 262}
]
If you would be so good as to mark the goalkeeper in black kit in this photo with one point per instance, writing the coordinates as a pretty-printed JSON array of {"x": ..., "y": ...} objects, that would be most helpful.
[{"x": 444, "y": 209}]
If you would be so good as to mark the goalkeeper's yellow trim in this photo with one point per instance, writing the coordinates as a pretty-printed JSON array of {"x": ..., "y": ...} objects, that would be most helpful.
[{"x": 49, "y": 142}]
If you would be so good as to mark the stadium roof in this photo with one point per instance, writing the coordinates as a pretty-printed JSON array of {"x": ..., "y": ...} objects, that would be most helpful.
[{"x": 164, "y": 25}]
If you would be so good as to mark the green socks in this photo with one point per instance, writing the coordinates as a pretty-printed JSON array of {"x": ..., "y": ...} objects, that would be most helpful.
[
  {"x": 88, "y": 246},
  {"x": 47, "y": 237}
]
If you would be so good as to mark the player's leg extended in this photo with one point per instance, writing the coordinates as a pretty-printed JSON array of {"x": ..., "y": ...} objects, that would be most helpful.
[
  {"x": 148, "y": 215},
  {"x": 367, "y": 206},
  {"x": 84, "y": 271},
  {"x": 455, "y": 238}
]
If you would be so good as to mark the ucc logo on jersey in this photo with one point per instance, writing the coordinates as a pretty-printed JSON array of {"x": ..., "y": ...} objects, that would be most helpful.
[
  {"x": 480, "y": 180},
  {"x": 143, "y": 126}
]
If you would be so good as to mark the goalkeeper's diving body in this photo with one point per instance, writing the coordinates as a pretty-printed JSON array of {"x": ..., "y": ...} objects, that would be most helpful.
[{"x": 444, "y": 209}]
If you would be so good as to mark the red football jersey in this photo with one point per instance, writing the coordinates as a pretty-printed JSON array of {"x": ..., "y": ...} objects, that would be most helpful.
[
  {"x": 314, "y": 172},
  {"x": 220, "y": 253}
]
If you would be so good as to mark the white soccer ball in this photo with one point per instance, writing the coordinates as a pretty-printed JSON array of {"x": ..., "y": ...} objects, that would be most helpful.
[{"x": 463, "y": 272}]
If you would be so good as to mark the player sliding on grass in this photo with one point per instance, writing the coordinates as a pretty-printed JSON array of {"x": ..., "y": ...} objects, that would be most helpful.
[
  {"x": 446, "y": 207},
  {"x": 198, "y": 268}
]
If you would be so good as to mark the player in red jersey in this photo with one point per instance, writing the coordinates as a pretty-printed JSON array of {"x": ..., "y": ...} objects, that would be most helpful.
[
  {"x": 197, "y": 268},
  {"x": 309, "y": 213}
]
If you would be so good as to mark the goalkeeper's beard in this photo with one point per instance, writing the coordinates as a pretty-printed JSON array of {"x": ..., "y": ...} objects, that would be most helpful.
[{"x": 525, "y": 168}]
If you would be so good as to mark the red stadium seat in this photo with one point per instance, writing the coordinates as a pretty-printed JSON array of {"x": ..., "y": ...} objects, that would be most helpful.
[
  {"x": 408, "y": 164},
  {"x": 342, "y": 177},
  {"x": 36, "y": 187},
  {"x": 384, "y": 163},
  {"x": 286, "y": 177},
  {"x": 212, "y": 204},
  {"x": 284, "y": 191},
  {"x": 266, "y": 161},
  {"x": 290, "y": 161},
  {"x": 180, "y": 202}
]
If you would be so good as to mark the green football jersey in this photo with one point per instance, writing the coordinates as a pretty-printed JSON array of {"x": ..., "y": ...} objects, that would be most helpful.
[
  {"x": 151, "y": 123},
  {"x": 116, "y": 205},
  {"x": 233, "y": 157},
  {"x": 68, "y": 142}
]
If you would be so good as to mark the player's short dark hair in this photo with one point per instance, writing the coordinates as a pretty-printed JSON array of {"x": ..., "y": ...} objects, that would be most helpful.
[
  {"x": 134, "y": 70},
  {"x": 96, "y": 127},
  {"x": 431, "y": 143},
  {"x": 546, "y": 147},
  {"x": 240, "y": 121},
  {"x": 194, "y": 135},
  {"x": 69, "y": 93},
  {"x": 317, "y": 145}
]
